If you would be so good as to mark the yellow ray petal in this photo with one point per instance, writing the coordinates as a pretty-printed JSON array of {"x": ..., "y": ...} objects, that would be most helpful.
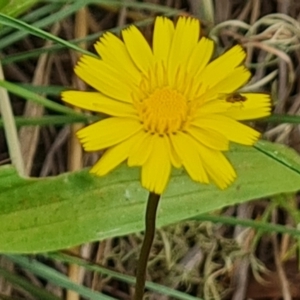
[
  {"x": 210, "y": 138},
  {"x": 218, "y": 106},
  {"x": 115, "y": 155},
  {"x": 100, "y": 103},
  {"x": 141, "y": 150},
  {"x": 103, "y": 78},
  {"x": 256, "y": 106},
  {"x": 184, "y": 41},
  {"x": 237, "y": 78},
  {"x": 218, "y": 167},
  {"x": 156, "y": 171},
  {"x": 200, "y": 56},
  {"x": 113, "y": 51},
  {"x": 174, "y": 158},
  {"x": 186, "y": 148},
  {"x": 107, "y": 133},
  {"x": 162, "y": 38},
  {"x": 138, "y": 48},
  {"x": 231, "y": 129},
  {"x": 222, "y": 66}
]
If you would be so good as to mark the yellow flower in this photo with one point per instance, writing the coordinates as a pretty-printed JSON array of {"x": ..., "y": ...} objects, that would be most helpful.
[{"x": 168, "y": 105}]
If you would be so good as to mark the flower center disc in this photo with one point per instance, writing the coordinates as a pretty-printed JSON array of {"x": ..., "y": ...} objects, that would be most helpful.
[{"x": 164, "y": 111}]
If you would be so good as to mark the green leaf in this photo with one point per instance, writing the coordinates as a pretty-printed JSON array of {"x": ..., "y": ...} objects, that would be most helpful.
[
  {"x": 24, "y": 27},
  {"x": 292, "y": 119},
  {"x": 39, "y": 215},
  {"x": 3, "y": 3},
  {"x": 52, "y": 120},
  {"x": 66, "y": 258},
  {"x": 47, "y": 90},
  {"x": 280, "y": 153},
  {"x": 15, "y": 8},
  {"x": 262, "y": 226},
  {"x": 21, "y": 282},
  {"x": 56, "y": 278},
  {"x": 24, "y": 93}
]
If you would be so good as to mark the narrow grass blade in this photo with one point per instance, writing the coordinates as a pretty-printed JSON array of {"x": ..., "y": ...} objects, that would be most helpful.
[
  {"x": 24, "y": 93},
  {"x": 259, "y": 225},
  {"x": 292, "y": 119},
  {"x": 52, "y": 120},
  {"x": 24, "y": 27},
  {"x": 55, "y": 277},
  {"x": 122, "y": 277},
  {"x": 33, "y": 290},
  {"x": 15, "y": 8},
  {"x": 10, "y": 129}
]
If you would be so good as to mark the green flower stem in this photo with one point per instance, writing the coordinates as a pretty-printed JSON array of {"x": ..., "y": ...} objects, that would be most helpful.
[{"x": 150, "y": 220}]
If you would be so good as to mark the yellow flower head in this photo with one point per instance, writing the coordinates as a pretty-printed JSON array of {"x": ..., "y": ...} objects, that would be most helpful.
[{"x": 168, "y": 105}]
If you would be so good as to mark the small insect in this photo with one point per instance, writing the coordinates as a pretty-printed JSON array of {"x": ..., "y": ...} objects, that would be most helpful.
[{"x": 235, "y": 97}]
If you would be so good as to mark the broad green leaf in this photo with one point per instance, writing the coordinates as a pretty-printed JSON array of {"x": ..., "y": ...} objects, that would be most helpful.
[
  {"x": 280, "y": 153},
  {"x": 39, "y": 215}
]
